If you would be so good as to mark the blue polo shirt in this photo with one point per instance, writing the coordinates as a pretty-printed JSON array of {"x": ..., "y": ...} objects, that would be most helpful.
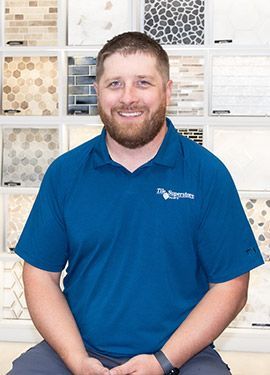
[{"x": 141, "y": 247}]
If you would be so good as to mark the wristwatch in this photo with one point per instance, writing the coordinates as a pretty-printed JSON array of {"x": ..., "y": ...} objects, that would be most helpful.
[{"x": 166, "y": 365}]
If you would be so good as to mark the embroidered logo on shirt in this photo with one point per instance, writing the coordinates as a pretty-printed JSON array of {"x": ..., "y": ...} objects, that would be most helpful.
[{"x": 169, "y": 194}]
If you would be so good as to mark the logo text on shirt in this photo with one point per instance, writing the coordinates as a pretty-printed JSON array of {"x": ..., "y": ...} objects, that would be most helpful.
[{"x": 169, "y": 194}]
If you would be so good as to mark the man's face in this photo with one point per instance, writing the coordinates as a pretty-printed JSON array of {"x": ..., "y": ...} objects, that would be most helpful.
[{"x": 132, "y": 98}]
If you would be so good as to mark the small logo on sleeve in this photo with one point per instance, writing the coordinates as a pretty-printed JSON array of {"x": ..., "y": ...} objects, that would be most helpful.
[{"x": 169, "y": 194}]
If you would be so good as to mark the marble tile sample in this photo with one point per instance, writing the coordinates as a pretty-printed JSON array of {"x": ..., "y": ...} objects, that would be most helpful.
[
  {"x": 31, "y": 23},
  {"x": 175, "y": 22},
  {"x": 241, "y": 22},
  {"x": 18, "y": 209},
  {"x": 30, "y": 86},
  {"x": 96, "y": 21},
  {"x": 14, "y": 304},
  {"x": 80, "y": 134},
  {"x": 241, "y": 85},
  {"x": 195, "y": 134},
  {"x": 258, "y": 214},
  {"x": 187, "y": 73},
  {"x": 82, "y": 98},
  {"x": 27, "y": 153},
  {"x": 246, "y": 153}
]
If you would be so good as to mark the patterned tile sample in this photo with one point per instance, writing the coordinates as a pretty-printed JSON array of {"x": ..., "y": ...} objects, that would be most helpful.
[
  {"x": 82, "y": 98},
  {"x": 30, "y": 85},
  {"x": 31, "y": 23},
  {"x": 246, "y": 153},
  {"x": 187, "y": 73},
  {"x": 96, "y": 21},
  {"x": 81, "y": 134},
  {"x": 14, "y": 304},
  {"x": 175, "y": 22},
  {"x": 195, "y": 134},
  {"x": 258, "y": 214},
  {"x": 241, "y": 85},
  {"x": 27, "y": 153},
  {"x": 19, "y": 207},
  {"x": 257, "y": 310},
  {"x": 241, "y": 22}
]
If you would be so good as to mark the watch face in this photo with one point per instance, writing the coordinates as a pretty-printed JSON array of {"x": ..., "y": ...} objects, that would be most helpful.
[{"x": 174, "y": 371}]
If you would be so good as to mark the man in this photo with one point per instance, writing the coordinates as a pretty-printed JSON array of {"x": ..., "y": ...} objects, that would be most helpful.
[{"x": 157, "y": 244}]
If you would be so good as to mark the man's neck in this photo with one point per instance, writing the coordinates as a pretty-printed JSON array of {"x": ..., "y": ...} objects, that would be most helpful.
[{"x": 132, "y": 159}]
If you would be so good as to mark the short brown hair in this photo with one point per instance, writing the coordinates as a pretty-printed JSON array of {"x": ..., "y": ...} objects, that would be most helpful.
[{"x": 129, "y": 43}]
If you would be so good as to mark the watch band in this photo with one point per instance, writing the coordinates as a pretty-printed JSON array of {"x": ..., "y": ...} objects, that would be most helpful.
[{"x": 166, "y": 365}]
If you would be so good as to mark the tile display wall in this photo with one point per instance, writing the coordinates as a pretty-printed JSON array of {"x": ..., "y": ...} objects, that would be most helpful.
[
  {"x": 30, "y": 85},
  {"x": 31, "y": 23},
  {"x": 241, "y": 85},
  {"x": 195, "y": 134},
  {"x": 27, "y": 153},
  {"x": 82, "y": 99},
  {"x": 187, "y": 73},
  {"x": 175, "y": 22},
  {"x": 81, "y": 134},
  {"x": 242, "y": 22},
  {"x": 96, "y": 21}
]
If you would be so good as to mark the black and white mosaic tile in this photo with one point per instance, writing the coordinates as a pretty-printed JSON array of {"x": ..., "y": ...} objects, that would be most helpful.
[
  {"x": 195, "y": 134},
  {"x": 175, "y": 22}
]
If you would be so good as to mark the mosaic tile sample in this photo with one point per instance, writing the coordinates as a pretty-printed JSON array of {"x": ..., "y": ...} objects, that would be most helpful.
[
  {"x": 256, "y": 313},
  {"x": 30, "y": 86},
  {"x": 27, "y": 153},
  {"x": 80, "y": 134},
  {"x": 14, "y": 304},
  {"x": 241, "y": 22},
  {"x": 82, "y": 98},
  {"x": 31, "y": 23},
  {"x": 96, "y": 21},
  {"x": 195, "y": 134},
  {"x": 18, "y": 209},
  {"x": 258, "y": 214},
  {"x": 246, "y": 153},
  {"x": 175, "y": 22},
  {"x": 187, "y": 73},
  {"x": 241, "y": 85}
]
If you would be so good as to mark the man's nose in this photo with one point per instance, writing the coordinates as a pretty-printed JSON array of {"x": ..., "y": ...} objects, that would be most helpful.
[{"x": 129, "y": 95}]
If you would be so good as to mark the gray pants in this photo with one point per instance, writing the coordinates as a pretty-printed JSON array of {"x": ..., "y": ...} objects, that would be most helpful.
[{"x": 42, "y": 359}]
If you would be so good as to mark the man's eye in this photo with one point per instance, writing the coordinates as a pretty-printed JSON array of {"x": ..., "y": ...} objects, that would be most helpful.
[
  {"x": 115, "y": 84},
  {"x": 144, "y": 83}
]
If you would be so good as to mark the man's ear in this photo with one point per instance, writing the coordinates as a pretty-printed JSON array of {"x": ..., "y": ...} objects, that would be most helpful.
[
  {"x": 96, "y": 87},
  {"x": 169, "y": 87}
]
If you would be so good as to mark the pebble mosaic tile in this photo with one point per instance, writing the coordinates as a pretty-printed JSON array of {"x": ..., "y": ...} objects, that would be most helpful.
[
  {"x": 80, "y": 134},
  {"x": 82, "y": 98},
  {"x": 241, "y": 85},
  {"x": 18, "y": 209},
  {"x": 175, "y": 22},
  {"x": 27, "y": 153},
  {"x": 241, "y": 22},
  {"x": 246, "y": 153},
  {"x": 30, "y": 86},
  {"x": 258, "y": 214},
  {"x": 96, "y": 21},
  {"x": 187, "y": 73},
  {"x": 195, "y": 134}
]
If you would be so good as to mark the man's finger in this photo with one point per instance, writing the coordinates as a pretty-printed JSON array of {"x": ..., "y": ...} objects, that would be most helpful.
[{"x": 124, "y": 369}]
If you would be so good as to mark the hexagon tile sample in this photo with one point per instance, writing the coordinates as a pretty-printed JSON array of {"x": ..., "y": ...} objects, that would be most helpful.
[
  {"x": 30, "y": 85},
  {"x": 27, "y": 153}
]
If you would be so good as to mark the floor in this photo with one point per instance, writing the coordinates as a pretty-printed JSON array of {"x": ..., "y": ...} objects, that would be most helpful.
[{"x": 240, "y": 363}]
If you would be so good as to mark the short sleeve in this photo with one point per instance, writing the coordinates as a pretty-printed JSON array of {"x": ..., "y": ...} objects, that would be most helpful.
[
  {"x": 43, "y": 242},
  {"x": 226, "y": 244}
]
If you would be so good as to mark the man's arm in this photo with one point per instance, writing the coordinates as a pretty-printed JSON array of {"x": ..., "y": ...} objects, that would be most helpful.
[
  {"x": 53, "y": 319},
  {"x": 203, "y": 325}
]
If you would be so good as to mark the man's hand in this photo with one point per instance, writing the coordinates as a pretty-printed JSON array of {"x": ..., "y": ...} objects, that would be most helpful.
[
  {"x": 143, "y": 364},
  {"x": 91, "y": 366}
]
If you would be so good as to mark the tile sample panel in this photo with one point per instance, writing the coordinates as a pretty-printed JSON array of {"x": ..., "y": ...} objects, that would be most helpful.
[
  {"x": 241, "y": 85},
  {"x": 18, "y": 209},
  {"x": 14, "y": 304},
  {"x": 258, "y": 214},
  {"x": 195, "y": 134},
  {"x": 246, "y": 153},
  {"x": 80, "y": 134},
  {"x": 31, "y": 23},
  {"x": 96, "y": 21},
  {"x": 82, "y": 98},
  {"x": 175, "y": 22},
  {"x": 241, "y": 22},
  {"x": 30, "y": 85},
  {"x": 27, "y": 153},
  {"x": 187, "y": 73}
]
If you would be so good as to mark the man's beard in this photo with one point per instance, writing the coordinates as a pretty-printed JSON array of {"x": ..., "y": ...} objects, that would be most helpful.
[{"x": 136, "y": 133}]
